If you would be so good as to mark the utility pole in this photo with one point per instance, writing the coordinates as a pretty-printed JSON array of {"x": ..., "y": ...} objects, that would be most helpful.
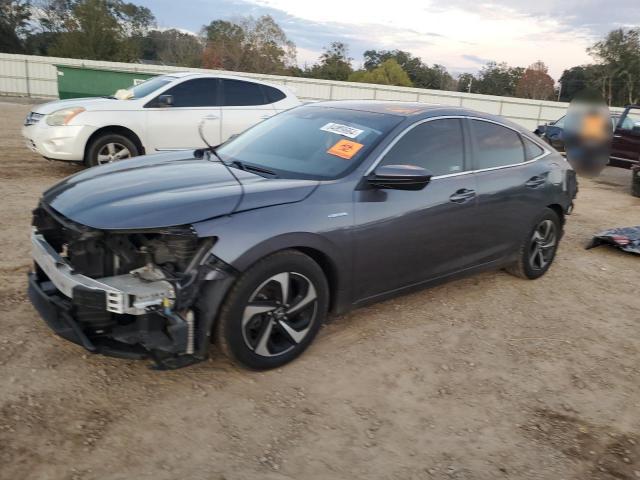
[{"x": 559, "y": 91}]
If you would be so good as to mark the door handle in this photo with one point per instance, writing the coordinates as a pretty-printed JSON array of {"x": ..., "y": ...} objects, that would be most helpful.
[
  {"x": 463, "y": 195},
  {"x": 537, "y": 181},
  {"x": 211, "y": 117},
  {"x": 264, "y": 117},
  {"x": 617, "y": 136}
]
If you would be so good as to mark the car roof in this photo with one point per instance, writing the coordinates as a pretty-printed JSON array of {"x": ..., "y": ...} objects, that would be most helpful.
[
  {"x": 224, "y": 75},
  {"x": 411, "y": 110}
]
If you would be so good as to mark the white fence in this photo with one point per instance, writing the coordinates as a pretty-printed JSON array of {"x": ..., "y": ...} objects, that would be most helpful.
[{"x": 34, "y": 76}]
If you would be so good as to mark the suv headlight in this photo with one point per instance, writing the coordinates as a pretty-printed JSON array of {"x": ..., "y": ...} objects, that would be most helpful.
[{"x": 64, "y": 116}]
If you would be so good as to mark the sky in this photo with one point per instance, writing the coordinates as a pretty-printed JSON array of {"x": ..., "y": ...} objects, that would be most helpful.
[{"x": 459, "y": 34}]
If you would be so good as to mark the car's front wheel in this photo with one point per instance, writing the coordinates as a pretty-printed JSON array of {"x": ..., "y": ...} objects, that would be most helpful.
[
  {"x": 538, "y": 249},
  {"x": 108, "y": 148},
  {"x": 274, "y": 311}
]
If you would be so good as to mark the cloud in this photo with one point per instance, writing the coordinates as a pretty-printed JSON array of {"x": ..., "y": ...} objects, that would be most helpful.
[
  {"x": 476, "y": 59},
  {"x": 460, "y": 34}
]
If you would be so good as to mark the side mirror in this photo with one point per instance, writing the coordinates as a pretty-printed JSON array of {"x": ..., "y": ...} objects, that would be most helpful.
[
  {"x": 399, "y": 177},
  {"x": 165, "y": 101}
]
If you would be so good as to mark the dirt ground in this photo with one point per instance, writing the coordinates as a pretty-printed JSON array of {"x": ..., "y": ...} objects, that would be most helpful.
[{"x": 489, "y": 377}]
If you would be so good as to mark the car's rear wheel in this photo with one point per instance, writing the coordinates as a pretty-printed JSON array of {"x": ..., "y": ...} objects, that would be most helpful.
[
  {"x": 538, "y": 250},
  {"x": 108, "y": 148},
  {"x": 274, "y": 311}
]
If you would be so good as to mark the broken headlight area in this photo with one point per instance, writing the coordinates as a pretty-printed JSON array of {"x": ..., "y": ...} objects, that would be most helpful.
[{"x": 125, "y": 293}]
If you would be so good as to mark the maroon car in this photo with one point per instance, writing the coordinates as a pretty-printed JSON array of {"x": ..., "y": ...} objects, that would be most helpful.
[{"x": 625, "y": 146}]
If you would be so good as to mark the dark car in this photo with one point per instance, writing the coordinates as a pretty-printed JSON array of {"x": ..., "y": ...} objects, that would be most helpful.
[
  {"x": 320, "y": 209},
  {"x": 553, "y": 132},
  {"x": 625, "y": 145}
]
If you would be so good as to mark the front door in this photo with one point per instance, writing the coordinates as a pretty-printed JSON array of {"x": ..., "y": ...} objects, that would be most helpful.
[
  {"x": 625, "y": 145},
  {"x": 176, "y": 126},
  {"x": 404, "y": 238}
]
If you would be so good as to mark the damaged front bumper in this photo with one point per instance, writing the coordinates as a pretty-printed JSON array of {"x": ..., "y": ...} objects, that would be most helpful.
[{"x": 137, "y": 315}]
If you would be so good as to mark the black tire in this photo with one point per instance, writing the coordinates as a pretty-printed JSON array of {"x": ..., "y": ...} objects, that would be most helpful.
[
  {"x": 99, "y": 146},
  {"x": 536, "y": 254},
  {"x": 242, "y": 326}
]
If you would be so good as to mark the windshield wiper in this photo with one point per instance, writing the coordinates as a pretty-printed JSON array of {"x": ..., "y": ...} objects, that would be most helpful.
[{"x": 259, "y": 170}]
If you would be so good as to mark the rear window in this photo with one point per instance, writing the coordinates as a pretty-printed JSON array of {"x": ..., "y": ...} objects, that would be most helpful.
[
  {"x": 237, "y": 93},
  {"x": 273, "y": 94},
  {"x": 496, "y": 146},
  {"x": 531, "y": 150}
]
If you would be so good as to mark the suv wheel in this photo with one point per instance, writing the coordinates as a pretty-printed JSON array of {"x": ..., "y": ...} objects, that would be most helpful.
[
  {"x": 274, "y": 311},
  {"x": 108, "y": 148},
  {"x": 539, "y": 248}
]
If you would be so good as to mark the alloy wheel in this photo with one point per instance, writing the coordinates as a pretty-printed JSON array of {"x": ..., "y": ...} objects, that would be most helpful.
[
  {"x": 112, "y": 152},
  {"x": 542, "y": 245},
  {"x": 279, "y": 314}
]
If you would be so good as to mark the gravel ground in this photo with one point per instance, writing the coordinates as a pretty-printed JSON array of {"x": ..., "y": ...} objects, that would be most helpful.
[{"x": 488, "y": 377}]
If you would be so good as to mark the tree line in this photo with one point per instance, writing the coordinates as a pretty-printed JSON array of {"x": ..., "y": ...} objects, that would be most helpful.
[{"x": 115, "y": 30}]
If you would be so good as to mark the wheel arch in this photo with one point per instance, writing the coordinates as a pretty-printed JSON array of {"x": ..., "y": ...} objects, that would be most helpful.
[
  {"x": 557, "y": 208},
  {"x": 319, "y": 249},
  {"x": 117, "y": 129}
]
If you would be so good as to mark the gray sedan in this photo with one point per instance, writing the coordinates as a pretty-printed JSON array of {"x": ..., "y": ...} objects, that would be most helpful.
[{"x": 317, "y": 210}]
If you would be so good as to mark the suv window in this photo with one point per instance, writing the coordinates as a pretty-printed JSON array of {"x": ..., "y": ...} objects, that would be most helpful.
[
  {"x": 531, "y": 150},
  {"x": 496, "y": 146},
  {"x": 631, "y": 121},
  {"x": 238, "y": 93},
  {"x": 437, "y": 146},
  {"x": 199, "y": 92},
  {"x": 273, "y": 94}
]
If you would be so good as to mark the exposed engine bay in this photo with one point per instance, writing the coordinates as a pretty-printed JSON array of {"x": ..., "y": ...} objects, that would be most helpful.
[{"x": 126, "y": 293}]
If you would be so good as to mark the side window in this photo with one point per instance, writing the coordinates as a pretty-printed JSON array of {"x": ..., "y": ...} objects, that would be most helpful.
[
  {"x": 237, "y": 93},
  {"x": 273, "y": 94},
  {"x": 631, "y": 121},
  {"x": 437, "y": 146},
  {"x": 496, "y": 146},
  {"x": 199, "y": 92},
  {"x": 531, "y": 150}
]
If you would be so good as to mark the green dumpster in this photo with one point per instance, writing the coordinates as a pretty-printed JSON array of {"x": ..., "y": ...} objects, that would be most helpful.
[{"x": 75, "y": 82}]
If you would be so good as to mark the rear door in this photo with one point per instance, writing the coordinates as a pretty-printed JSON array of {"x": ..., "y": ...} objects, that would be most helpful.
[
  {"x": 512, "y": 186},
  {"x": 244, "y": 104},
  {"x": 625, "y": 145},
  {"x": 176, "y": 127}
]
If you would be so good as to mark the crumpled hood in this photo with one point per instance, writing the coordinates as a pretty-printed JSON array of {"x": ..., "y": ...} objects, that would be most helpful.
[{"x": 165, "y": 190}]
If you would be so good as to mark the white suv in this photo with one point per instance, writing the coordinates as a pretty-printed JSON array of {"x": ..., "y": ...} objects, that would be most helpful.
[{"x": 162, "y": 113}]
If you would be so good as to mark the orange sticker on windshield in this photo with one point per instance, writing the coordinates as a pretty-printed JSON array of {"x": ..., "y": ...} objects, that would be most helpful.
[{"x": 345, "y": 149}]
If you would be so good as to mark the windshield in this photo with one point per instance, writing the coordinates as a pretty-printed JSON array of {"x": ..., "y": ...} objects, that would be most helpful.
[
  {"x": 317, "y": 143},
  {"x": 149, "y": 86},
  {"x": 559, "y": 123}
]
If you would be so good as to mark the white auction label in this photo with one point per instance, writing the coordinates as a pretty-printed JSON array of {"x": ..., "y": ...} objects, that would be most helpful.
[{"x": 340, "y": 129}]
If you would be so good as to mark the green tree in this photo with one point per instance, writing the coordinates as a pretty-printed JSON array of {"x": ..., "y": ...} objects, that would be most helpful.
[
  {"x": 249, "y": 45},
  {"x": 335, "y": 63},
  {"x": 467, "y": 82},
  {"x": 388, "y": 73},
  {"x": 14, "y": 25},
  {"x": 420, "y": 74},
  {"x": 619, "y": 54},
  {"x": 499, "y": 79},
  {"x": 51, "y": 22},
  {"x": 101, "y": 30},
  {"x": 171, "y": 47}
]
